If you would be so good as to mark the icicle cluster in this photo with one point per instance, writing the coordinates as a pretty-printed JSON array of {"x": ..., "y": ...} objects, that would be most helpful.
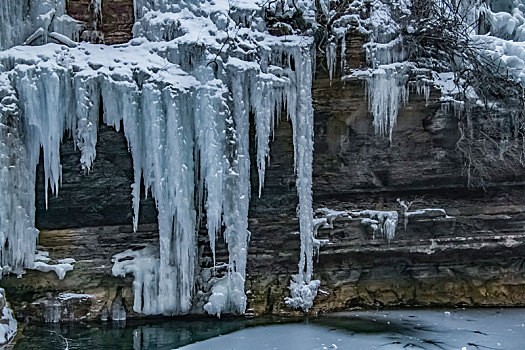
[
  {"x": 386, "y": 91},
  {"x": 185, "y": 107},
  {"x": 386, "y": 76},
  {"x": 386, "y": 82}
]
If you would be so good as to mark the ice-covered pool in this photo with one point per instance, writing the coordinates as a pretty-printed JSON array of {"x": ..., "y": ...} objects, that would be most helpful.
[{"x": 479, "y": 329}]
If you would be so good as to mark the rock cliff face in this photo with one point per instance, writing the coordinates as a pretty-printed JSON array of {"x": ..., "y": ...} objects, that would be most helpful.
[
  {"x": 111, "y": 25},
  {"x": 473, "y": 255}
]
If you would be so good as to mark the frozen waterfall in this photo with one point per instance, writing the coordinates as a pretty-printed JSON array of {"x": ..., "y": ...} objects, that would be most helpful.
[{"x": 183, "y": 91}]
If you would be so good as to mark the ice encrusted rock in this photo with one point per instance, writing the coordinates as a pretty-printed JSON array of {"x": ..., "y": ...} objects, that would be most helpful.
[
  {"x": 302, "y": 294},
  {"x": 17, "y": 214},
  {"x": 184, "y": 106},
  {"x": 60, "y": 268},
  {"x": 382, "y": 222},
  {"x": 21, "y": 19},
  {"x": 8, "y": 324}
]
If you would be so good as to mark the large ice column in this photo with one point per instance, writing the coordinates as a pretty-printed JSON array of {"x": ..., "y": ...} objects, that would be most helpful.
[
  {"x": 17, "y": 186},
  {"x": 299, "y": 105},
  {"x": 173, "y": 189},
  {"x": 228, "y": 292},
  {"x": 159, "y": 127},
  {"x": 237, "y": 186}
]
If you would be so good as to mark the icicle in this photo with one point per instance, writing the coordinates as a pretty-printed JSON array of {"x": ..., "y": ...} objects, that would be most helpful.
[
  {"x": 266, "y": 101},
  {"x": 87, "y": 96},
  {"x": 331, "y": 59},
  {"x": 343, "y": 53}
]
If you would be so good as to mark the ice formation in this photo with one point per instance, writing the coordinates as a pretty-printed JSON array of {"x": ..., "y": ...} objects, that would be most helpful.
[
  {"x": 72, "y": 296},
  {"x": 8, "y": 324},
  {"x": 21, "y": 20},
  {"x": 382, "y": 222},
  {"x": 386, "y": 81},
  {"x": 143, "y": 265},
  {"x": 183, "y": 91},
  {"x": 386, "y": 76},
  {"x": 504, "y": 42},
  {"x": 458, "y": 329},
  {"x": 303, "y": 290},
  {"x": 386, "y": 91},
  {"x": 60, "y": 268}
]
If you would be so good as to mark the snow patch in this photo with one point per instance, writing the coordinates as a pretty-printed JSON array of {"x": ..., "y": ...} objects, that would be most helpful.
[{"x": 70, "y": 296}]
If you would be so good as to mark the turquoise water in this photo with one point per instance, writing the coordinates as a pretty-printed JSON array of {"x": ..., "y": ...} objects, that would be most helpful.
[{"x": 394, "y": 329}]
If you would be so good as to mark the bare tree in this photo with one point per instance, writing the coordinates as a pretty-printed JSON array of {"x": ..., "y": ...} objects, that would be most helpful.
[{"x": 489, "y": 105}]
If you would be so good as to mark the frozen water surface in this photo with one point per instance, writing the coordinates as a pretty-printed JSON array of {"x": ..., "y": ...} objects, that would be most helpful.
[
  {"x": 476, "y": 329},
  {"x": 409, "y": 329}
]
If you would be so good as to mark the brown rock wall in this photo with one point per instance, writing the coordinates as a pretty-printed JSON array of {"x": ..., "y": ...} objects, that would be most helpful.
[{"x": 114, "y": 24}]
